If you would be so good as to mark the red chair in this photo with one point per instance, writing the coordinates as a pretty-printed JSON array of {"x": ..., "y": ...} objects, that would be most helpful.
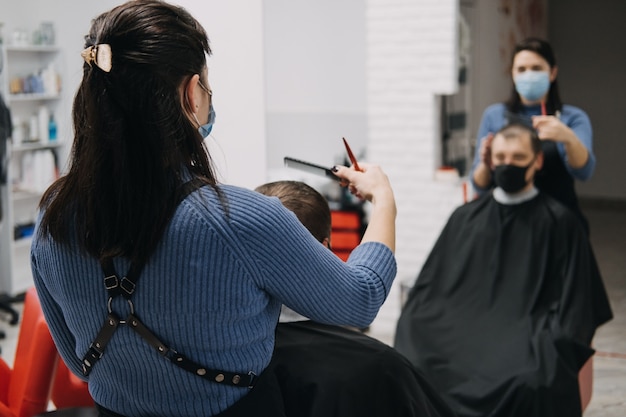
[
  {"x": 345, "y": 234},
  {"x": 25, "y": 389},
  {"x": 68, "y": 390}
]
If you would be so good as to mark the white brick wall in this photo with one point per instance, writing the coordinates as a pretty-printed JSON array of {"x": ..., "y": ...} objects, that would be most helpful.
[{"x": 412, "y": 48}]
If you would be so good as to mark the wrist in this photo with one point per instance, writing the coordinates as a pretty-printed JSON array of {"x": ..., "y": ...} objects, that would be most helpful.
[
  {"x": 482, "y": 175},
  {"x": 569, "y": 138},
  {"x": 384, "y": 201}
]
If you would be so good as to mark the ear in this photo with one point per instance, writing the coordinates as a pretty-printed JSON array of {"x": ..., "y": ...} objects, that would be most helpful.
[
  {"x": 553, "y": 72},
  {"x": 326, "y": 242},
  {"x": 190, "y": 94}
]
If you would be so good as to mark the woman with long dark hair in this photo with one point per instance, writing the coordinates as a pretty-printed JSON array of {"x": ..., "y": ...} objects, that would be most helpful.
[{"x": 161, "y": 287}]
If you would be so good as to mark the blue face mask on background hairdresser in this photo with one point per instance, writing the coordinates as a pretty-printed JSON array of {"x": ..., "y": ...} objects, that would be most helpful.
[{"x": 532, "y": 85}]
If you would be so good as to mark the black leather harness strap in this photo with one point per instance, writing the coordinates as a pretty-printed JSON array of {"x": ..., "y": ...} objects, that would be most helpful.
[
  {"x": 96, "y": 349},
  {"x": 125, "y": 287}
]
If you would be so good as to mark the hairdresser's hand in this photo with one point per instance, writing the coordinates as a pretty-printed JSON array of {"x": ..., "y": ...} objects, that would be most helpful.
[
  {"x": 370, "y": 183},
  {"x": 485, "y": 150},
  {"x": 482, "y": 172},
  {"x": 551, "y": 128}
]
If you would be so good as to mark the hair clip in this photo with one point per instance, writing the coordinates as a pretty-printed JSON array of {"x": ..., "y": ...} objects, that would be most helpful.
[{"x": 98, "y": 54}]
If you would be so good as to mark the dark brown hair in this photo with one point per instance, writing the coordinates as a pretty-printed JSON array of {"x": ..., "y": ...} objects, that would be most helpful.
[
  {"x": 134, "y": 144},
  {"x": 517, "y": 130},
  {"x": 309, "y": 206}
]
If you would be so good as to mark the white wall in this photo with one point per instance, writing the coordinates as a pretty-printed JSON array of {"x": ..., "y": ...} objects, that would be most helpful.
[
  {"x": 315, "y": 79},
  {"x": 236, "y": 70},
  {"x": 238, "y": 141},
  {"x": 412, "y": 58}
]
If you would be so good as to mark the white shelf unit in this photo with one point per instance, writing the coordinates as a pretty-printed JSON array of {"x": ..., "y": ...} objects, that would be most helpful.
[{"x": 21, "y": 194}]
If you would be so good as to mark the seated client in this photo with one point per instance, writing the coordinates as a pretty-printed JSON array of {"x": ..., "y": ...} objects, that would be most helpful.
[
  {"x": 326, "y": 370},
  {"x": 501, "y": 317}
]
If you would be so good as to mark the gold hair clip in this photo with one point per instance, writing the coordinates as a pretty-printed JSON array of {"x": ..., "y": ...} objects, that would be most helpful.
[{"x": 98, "y": 54}]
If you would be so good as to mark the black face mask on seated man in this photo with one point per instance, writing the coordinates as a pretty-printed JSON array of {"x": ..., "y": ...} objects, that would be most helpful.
[{"x": 511, "y": 178}]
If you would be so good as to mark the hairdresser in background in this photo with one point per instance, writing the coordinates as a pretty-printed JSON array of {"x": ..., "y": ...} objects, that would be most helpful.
[
  {"x": 565, "y": 130},
  {"x": 161, "y": 287}
]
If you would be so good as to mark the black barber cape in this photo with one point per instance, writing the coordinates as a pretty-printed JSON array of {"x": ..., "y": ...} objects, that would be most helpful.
[
  {"x": 319, "y": 370},
  {"x": 329, "y": 371},
  {"x": 501, "y": 317}
]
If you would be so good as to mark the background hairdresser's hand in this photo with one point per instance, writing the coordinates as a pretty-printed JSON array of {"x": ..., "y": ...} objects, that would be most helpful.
[
  {"x": 551, "y": 128},
  {"x": 482, "y": 172},
  {"x": 485, "y": 150},
  {"x": 370, "y": 184}
]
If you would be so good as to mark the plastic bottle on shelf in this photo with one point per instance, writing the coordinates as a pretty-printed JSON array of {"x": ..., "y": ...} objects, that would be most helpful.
[
  {"x": 47, "y": 33},
  {"x": 19, "y": 130},
  {"x": 43, "y": 170},
  {"x": 52, "y": 129},
  {"x": 44, "y": 119},
  {"x": 33, "y": 128},
  {"x": 50, "y": 80}
]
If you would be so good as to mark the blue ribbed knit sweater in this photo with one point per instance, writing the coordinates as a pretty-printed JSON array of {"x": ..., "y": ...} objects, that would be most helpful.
[{"x": 212, "y": 291}]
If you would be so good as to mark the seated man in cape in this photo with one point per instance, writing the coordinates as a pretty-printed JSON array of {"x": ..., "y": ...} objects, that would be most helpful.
[
  {"x": 501, "y": 317},
  {"x": 326, "y": 371}
]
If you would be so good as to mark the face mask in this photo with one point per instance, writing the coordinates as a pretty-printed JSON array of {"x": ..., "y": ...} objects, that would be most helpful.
[
  {"x": 205, "y": 129},
  {"x": 532, "y": 85},
  {"x": 511, "y": 178}
]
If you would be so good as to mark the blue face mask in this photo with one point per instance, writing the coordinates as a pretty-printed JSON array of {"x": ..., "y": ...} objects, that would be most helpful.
[
  {"x": 205, "y": 129},
  {"x": 532, "y": 85}
]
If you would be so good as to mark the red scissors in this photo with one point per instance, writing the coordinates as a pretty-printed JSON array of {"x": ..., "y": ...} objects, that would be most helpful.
[{"x": 351, "y": 155}]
